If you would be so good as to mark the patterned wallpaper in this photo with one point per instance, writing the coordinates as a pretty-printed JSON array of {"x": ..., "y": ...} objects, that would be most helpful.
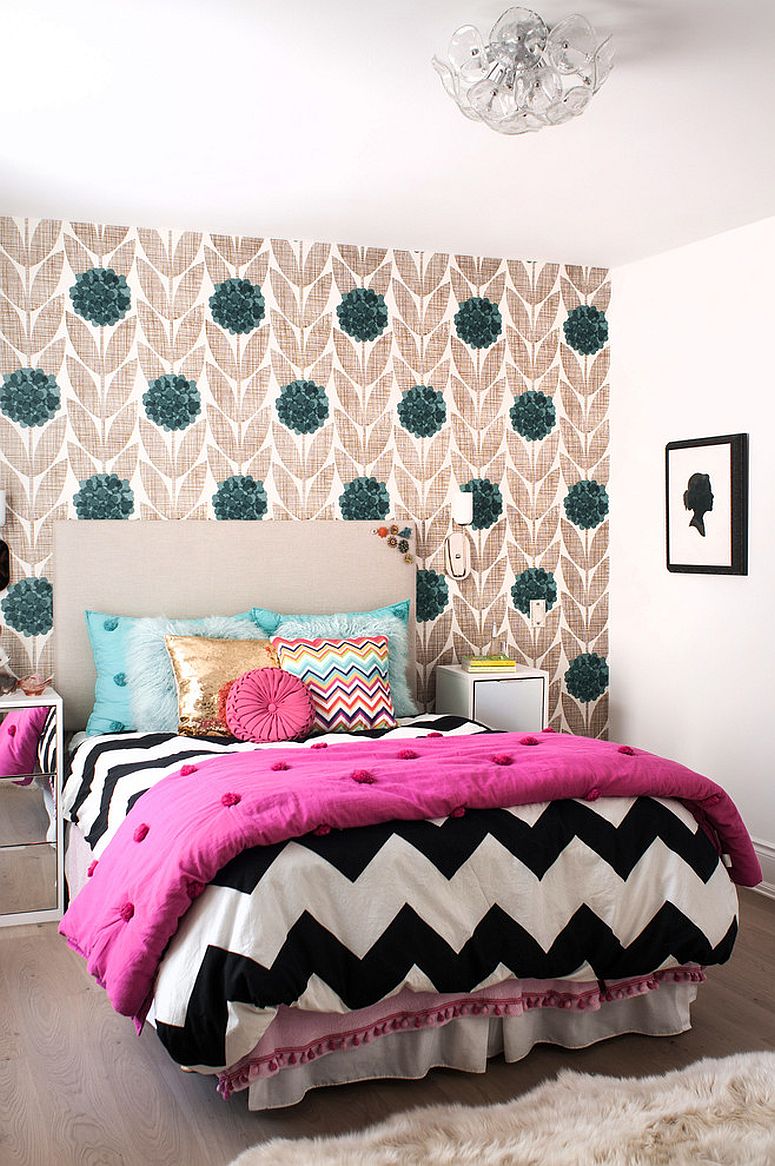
[{"x": 166, "y": 374}]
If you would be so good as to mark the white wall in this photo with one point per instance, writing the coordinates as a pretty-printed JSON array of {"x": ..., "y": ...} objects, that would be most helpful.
[{"x": 693, "y": 656}]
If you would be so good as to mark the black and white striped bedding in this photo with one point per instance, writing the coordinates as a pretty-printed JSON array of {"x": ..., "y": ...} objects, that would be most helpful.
[
  {"x": 576, "y": 890},
  {"x": 109, "y": 773},
  {"x": 47, "y": 744}
]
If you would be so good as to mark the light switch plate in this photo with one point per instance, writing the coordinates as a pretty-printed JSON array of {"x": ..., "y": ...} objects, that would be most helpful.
[{"x": 537, "y": 612}]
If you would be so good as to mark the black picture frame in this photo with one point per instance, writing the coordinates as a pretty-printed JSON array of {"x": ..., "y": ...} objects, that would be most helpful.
[{"x": 692, "y": 494}]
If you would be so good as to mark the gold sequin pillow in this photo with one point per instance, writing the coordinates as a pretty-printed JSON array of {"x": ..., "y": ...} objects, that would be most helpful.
[{"x": 202, "y": 667}]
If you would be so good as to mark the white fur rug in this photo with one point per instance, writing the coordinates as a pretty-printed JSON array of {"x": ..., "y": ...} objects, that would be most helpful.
[{"x": 714, "y": 1113}]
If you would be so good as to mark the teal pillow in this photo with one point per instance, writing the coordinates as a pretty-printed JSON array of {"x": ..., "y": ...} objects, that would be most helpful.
[
  {"x": 125, "y": 693},
  {"x": 389, "y": 621},
  {"x": 108, "y": 638}
]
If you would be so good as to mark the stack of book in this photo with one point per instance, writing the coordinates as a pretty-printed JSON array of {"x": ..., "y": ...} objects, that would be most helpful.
[{"x": 497, "y": 663}]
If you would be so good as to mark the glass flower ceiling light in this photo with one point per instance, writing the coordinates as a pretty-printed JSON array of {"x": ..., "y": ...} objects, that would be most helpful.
[{"x": 527, "y": 75}]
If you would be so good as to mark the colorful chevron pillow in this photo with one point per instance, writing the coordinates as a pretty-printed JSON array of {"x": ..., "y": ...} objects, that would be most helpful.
[{"x": 347, "y": 679}]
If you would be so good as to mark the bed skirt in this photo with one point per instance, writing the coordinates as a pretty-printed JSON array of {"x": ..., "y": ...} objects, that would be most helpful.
[
  {"x": 469, "y": 1042},
  {"x": 78, "y": 855}
]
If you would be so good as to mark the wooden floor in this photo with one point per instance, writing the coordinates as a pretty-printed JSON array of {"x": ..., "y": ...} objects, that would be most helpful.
[{"x": 78, "y": 1088}]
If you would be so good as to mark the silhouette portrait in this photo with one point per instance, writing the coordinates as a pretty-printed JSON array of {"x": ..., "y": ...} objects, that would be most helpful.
[{"x": 698, "y": 497}]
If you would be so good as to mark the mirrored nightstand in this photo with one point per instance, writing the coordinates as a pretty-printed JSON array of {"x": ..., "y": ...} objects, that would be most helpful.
[{"x": 31, "y": 839}]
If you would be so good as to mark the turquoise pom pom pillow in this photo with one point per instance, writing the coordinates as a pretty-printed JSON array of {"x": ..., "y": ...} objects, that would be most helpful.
[
  {"x": 391, "y": 621},
  {"x": 135, "y": 687},
  {"x": 108, "y": 636}
]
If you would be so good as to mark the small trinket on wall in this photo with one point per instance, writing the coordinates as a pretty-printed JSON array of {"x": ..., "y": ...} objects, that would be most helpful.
[{"x": 398, "y": 538}]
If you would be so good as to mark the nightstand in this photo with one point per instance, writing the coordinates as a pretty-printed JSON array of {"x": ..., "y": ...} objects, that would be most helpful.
[
  {"x": 516, "y": 701},
  {"x": 31, "y": 839}
]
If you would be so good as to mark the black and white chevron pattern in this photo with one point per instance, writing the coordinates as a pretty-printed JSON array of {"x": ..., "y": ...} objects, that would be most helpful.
[{"x": 575, "y": 890}]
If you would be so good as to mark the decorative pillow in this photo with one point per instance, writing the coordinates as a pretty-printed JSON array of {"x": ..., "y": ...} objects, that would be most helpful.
[
  {"x": 108, "y": 638},
  {"x": 389, "y": 621},
  {"x": 268, "y": 704},
  {"x": 152, "y": 689},
  {"x": 348, "y": 680},
  {"x": 19, "y": 735},
  {"x": 201, "y": 667},
  {"x": 117, "y": 703}
]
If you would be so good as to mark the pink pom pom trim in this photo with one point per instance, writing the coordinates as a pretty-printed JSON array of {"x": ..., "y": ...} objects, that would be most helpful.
[
  {"x": 458, "y": 812},
  {"x": 127, "y": 911},
  {"x": 407, "y": 754},
  {"x": 274, "y": 1060},
  {"x": 323, "y": 828},
  {"x": 279, "y": 766},
  {"x": 502, "y": 759},
  {"x": 91, "y": 868},
  {"x": 231, "y": 799},
  {"x": 627, "y": 750},
  {"x": 186, "y": 769},
  {"x": 529, "y": 741},
  {"x": 434, "y": 734},
  {"x": 319, "y": 745},
  {"x": 141, "y": 832}
]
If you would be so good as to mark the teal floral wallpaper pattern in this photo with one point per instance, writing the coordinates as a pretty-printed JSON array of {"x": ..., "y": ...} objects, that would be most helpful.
[
  {"x": 29, "y": 396},
  {"x": 174, "y": 374},
  {"x": 302, "y": 407},
  {"x": 100, "y": 296}
]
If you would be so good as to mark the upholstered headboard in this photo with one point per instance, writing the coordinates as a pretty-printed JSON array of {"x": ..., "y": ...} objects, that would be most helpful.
[{"x": 190, "y": 568}]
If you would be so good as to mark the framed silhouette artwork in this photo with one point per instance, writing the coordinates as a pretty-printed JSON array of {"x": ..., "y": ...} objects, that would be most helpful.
[{"x": 706, "y": 488}]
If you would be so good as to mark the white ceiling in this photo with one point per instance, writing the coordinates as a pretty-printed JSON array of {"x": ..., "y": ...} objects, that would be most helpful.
[{"x": 326, "y": 121}]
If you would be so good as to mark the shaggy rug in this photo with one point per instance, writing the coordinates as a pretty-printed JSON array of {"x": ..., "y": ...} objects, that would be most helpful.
[{"x": 713, "y": 1113}]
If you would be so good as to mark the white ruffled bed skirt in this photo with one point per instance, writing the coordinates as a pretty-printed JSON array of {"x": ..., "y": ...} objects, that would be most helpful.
[{"x": 467, "y": 1043}]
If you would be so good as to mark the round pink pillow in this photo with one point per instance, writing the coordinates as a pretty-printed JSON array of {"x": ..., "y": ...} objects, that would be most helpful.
[{"x": 268, "y": 704}]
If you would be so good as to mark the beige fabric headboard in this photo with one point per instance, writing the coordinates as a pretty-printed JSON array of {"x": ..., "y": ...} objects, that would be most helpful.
[{"x": 194, "y": 568}]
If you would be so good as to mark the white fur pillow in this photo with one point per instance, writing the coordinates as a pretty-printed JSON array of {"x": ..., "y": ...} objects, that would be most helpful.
[{"x": 153, "y": 694}]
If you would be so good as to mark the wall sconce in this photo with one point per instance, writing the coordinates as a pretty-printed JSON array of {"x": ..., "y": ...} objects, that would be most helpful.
[
  {"x": 457, "y": 546},
  {"x": 5, "y": 557}
]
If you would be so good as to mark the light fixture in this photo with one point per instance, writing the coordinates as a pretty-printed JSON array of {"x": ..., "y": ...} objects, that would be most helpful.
[
  {"x": 527, "y": 75},
  {"x": 457, "y": 547}
]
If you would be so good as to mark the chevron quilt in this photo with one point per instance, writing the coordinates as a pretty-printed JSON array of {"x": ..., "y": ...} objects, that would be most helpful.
[{"x": 578, "y": 888}]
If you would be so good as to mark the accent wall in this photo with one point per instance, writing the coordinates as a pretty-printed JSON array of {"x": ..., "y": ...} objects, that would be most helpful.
[{"x": 172, "y": 374}]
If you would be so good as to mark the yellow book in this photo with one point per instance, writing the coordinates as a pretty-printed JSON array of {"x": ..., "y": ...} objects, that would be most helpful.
[{"x": 489, "y": 663}]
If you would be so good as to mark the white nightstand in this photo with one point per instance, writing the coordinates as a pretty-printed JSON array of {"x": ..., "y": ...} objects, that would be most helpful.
[
  {"x": 516, "y": 702},
  {"x": 31, "y": 839}
]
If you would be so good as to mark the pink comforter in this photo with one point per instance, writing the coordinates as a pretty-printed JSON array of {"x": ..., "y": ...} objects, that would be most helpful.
[{"x": 183, "y": 830}]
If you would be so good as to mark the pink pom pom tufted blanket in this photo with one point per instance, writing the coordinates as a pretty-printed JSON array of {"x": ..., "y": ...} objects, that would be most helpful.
[{"x": 183, "y": 830}]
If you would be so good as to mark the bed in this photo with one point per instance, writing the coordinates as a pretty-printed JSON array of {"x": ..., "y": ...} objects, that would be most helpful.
[{"x": 412, "y": 931}]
